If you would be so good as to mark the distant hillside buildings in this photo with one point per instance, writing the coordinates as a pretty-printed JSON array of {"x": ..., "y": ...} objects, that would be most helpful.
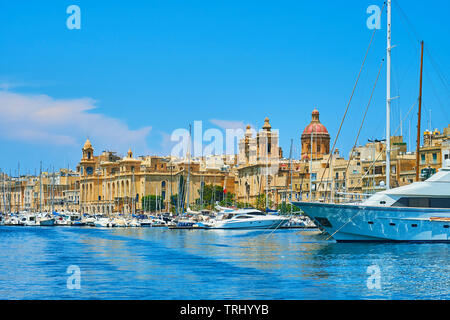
[{"x": 109, "y": 184}]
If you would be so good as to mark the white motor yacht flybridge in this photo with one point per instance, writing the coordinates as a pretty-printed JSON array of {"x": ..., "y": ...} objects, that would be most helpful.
[
  {"x": 416, "y": 212},
  {"x": 247, "y": 219}
]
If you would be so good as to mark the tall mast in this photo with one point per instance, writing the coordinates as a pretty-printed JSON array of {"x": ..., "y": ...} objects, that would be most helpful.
[
  {"x": 3, "y": 191},
  {"x": 290, "y": 172},
  {"x": 53, "y": 188},
  {"x": 189, "y": 168},
  {"x": 10, "y": 190},
  {"x": 388, "y": 98},
  {"x": 40, "y": 187},
  {"x": 267, "y": 173},
  {"x": 310, "y": 168},
  {"x": 419, "y": 114},
  {"x": 20, "y": 187}
]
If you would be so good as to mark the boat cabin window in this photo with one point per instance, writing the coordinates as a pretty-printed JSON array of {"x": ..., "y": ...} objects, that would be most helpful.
[
  {"x": 243, "y": 217},
  {"x": 228, "y": 216},
  {"x": 256, "y": 213},
  {"x": 420, "y": 202}
]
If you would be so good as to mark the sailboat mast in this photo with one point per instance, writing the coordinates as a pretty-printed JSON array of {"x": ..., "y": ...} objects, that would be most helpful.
[
  {"x": 267, "y": 174},
  {"x": 388, "y": 97},
  {"x": 290, "y": 173},
  {"x": 189, "y": 167},
  {"x": 40, "y": 187},
  {"x": 310, "y": 168},
  {"x": 20, "y": 187},
  {"x": 419, "y": 114}
]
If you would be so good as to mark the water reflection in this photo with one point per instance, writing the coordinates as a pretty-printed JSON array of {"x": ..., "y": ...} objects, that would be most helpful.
[{"x": 158, "y": 263}]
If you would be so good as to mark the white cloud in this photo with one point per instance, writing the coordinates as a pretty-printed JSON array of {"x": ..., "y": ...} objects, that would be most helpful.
[
  {"x": 227, "y": 124},
  {"x": 41, "y": 119}
]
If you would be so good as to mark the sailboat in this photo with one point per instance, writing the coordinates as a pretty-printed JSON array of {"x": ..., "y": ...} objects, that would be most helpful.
[
  {"x": 182, "y": 222},
  {"x": 419, "y": 212}
]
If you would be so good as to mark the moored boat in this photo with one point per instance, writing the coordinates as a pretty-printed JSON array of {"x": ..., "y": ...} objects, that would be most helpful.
[
  {"x": 247, "y": 219},
  {"x": 416, "y": 212}
]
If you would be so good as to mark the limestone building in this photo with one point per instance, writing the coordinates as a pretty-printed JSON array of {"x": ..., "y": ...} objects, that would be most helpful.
[{"x": 110, "y": 184}]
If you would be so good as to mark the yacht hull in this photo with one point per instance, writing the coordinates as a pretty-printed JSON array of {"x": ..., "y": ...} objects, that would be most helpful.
[
  {"x": 255, "y": 224},
  {"x": 352, "y": 223},
  {"x": 47, "y": 223}
]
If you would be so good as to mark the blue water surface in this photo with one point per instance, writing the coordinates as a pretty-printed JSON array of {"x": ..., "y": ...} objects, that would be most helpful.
[{"x": 158, "y": 263}]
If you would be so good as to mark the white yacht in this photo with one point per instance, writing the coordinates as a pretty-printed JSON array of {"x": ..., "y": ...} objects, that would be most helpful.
[
  {"x": 103, "y": 222},
  {"x": 28, "y": 219},
  {"x": 247, "y": 219},
  {"x": 416, "y": 212}
]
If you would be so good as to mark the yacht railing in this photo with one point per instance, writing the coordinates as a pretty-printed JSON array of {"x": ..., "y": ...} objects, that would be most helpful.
[{"x": 349, "y": 197}]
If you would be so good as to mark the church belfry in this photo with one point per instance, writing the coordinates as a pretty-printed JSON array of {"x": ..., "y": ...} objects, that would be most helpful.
[
  {"x": 87, "y": 161},
  {"x": 88, "y": 151}
]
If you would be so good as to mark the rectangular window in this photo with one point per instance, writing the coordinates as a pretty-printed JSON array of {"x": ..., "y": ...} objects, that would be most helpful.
[
  {"x": 440, "y": 202},
  {"x": 419, "y": 202},
  {"x": 434, "y": 157},
  {"x": 422, "y": 158}
]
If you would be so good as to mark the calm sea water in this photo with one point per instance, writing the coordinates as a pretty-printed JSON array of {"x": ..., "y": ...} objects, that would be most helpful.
[{"x": 157, "y": 263}]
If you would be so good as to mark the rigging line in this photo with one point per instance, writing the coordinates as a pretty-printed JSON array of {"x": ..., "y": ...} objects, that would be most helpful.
[
  {"x": 339, "y": 229},
  {"x": 368, "y": 170},
  {"x": 408, "y": 22},
  {"x": 348, "y": 105},
  {"x": 379, "y": 155},
  {"x": 436, "y": 95},
  {"x": 404, "y": 118},
  {"x": 404, "y": 75},
  {"x": 364, "y": 117},
  {"x": 433, "y": 62},
  {"x": 435, "y": 65}
]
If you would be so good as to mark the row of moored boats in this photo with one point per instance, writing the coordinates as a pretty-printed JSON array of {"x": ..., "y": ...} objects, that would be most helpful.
[{"x": 223, "y": 218}]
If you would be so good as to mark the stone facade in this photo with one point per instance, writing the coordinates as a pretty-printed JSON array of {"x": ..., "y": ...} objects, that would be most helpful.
[{"x": 110, "y": 184}]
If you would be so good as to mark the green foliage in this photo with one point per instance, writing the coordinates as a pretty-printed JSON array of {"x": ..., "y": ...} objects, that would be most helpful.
[
  {"x": 288, "y": 208},
  {"x": 261, "y": 202},
  {"x": 243, "y": 205},
  {"x": 149, "y": 203},
  {"x": 211, "y": 194}
]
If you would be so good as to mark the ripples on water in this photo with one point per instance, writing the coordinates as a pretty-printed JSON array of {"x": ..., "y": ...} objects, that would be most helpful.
[{"x": 157, "y": 263}]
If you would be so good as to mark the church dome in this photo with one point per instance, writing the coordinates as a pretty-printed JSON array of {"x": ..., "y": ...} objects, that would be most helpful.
[
  {"x": 315, "y": 139},
  {"x": 315, "y": 126}
]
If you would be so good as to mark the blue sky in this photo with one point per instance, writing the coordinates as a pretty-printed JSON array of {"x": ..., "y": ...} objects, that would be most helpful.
[{"x": 138, "y": 70}]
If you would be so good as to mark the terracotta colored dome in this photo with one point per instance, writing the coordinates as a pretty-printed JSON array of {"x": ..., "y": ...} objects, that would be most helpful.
[{"x": 315, "y": 126}]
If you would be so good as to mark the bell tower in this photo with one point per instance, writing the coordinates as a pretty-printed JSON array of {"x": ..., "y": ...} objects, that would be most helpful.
[{"x": 87, "y": 162}]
